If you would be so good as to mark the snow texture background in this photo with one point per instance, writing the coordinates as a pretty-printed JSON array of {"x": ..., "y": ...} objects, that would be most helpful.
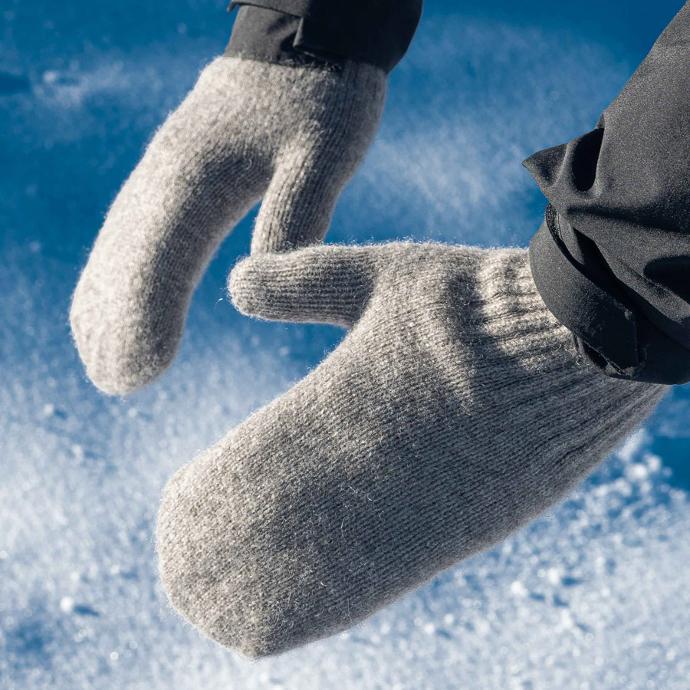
[{"x": 594, "y": 595}]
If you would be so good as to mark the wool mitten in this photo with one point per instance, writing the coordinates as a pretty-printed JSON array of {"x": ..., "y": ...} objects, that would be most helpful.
[
  {"x": 454, "y": 411},
  {"x": 292, "y": 134}
]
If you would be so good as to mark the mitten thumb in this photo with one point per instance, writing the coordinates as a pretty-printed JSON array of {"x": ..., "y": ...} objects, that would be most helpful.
[{"x": 325, "y": 284}]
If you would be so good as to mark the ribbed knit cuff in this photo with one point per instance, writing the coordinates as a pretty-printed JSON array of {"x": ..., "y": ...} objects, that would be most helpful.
[
  {"x": 512, "y": 313},
  {"x": 514, "y": 326}
]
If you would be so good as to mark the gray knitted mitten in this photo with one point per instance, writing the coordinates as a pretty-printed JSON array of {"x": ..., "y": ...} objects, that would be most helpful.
[
  {"x": 247, "y": 129},
  {"x": 454, "y": 411}
]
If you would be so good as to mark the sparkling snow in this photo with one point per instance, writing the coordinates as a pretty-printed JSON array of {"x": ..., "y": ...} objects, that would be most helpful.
[{"x": 593, "y": 596}]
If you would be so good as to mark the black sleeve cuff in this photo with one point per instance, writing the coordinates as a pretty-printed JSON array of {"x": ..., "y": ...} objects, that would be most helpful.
[
  {"x": 608, "y": 329},
  {"x": 377, "y": 32},
  {"x": 613, "y": 258}
]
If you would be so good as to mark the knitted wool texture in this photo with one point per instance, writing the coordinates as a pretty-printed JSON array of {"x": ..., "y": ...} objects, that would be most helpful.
[
  {"x": 454, "y": 411},
  {"x": 293, "y": 135}
]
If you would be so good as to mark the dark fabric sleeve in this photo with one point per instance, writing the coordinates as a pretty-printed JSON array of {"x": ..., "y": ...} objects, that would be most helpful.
[
  {"x": 612, "y": 259},
  {"x": 377, "y": 32}
]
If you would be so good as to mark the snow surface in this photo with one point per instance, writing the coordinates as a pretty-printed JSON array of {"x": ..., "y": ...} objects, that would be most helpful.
[{"x": 594, "y": 595}]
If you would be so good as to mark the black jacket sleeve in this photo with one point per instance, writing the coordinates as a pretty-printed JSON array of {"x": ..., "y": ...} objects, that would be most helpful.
[
  {"x": 377, "y": 32},
  {"x": 612, "y": 259}
]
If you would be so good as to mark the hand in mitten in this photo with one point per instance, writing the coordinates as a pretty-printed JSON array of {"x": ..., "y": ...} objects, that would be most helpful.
[
  {"x": 454, "y": 411},
  {"x": 291, "y": 134}
]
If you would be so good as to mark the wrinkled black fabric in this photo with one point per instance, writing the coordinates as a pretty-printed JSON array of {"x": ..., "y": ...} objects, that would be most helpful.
[
  {"x": 603, "y": 316},
  {"x": 377, "y": 32},
  {"x": 621, "y": 195},
  {"x": 266, "y": 35}
]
